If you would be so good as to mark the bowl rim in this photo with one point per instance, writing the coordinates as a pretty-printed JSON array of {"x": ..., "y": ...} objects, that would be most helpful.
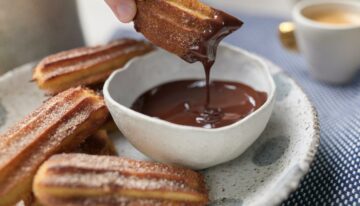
[{"x": 268, "y": 103}]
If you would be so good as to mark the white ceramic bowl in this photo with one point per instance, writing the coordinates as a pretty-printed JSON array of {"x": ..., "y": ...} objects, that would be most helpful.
[{"x": 192, "y": 147}]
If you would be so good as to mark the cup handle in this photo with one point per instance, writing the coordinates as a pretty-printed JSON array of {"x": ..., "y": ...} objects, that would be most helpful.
[{"x": 287, "y": 36}]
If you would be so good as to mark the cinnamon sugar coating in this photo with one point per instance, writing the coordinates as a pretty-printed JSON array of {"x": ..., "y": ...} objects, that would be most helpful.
[
  {"x": 187, "y": 28},
  {"x": 87, "y": 65},
  {"x": 59, "y": 125},
  {"x": 79, "y": 179}
]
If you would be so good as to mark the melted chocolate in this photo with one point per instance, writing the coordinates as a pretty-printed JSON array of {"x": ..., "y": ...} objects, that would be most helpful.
[
  {"x": 205, "y": 51},
  {"x": 206, "y": 105},
  {"x": 185, "y": 102}
]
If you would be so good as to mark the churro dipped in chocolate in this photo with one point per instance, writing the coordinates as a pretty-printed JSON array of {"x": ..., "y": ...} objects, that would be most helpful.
[
  {"x": 76, "y": 179},
  {"x": 59, "y": 125},
  {"x": 188, "y": 28},
  {"x": 98, "y": 144},
  {"x": 86, "y": 66}
]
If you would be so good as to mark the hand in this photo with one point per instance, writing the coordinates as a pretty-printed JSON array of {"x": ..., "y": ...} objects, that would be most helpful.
[{"x": 125, "y": 10}]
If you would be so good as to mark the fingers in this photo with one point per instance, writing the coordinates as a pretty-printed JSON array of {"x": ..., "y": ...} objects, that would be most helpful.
[{"x": 125, "y": 10}]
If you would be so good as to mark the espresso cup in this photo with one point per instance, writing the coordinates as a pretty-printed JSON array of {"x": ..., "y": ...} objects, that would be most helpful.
[{"x": 327, "y": 34}]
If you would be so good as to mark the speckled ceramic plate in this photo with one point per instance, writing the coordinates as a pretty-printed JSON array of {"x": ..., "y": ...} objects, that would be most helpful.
[{"x": 264, "y": 175}]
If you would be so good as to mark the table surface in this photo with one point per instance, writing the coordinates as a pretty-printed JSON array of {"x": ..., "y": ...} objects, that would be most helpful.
[
  {"x": 334, "y": 176},
  {"x": 98, "y": 22}
]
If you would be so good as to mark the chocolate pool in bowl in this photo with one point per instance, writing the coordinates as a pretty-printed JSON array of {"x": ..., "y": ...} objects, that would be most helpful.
[
  {"x": 186, "y": 102},
  {"x": 193, "y": 147}
]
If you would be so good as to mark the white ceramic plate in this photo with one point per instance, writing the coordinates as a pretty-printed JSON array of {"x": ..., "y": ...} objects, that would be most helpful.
[{"x": 264, "y": 175}]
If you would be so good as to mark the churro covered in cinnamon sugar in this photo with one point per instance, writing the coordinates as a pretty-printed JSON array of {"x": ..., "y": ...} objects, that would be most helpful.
[
  {"x": 79, "y": 179},
  {"x": 59, "y": 125},
  {"x": 87, "y": 65},
  {"x": 188, "y": 28}
]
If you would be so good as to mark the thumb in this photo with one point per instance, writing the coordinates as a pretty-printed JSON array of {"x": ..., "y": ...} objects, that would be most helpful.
[{"x": 125, "y": 10}]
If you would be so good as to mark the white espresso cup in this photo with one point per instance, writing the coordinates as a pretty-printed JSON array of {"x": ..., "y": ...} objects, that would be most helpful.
[{"x": 327, "y": 34}]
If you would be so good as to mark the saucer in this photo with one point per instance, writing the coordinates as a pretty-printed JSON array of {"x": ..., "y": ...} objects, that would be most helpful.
[{"x": 264, "y": 175}]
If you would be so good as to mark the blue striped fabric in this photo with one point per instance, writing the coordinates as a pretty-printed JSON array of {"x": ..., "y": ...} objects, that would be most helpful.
[{"x": 334, "y": 177}]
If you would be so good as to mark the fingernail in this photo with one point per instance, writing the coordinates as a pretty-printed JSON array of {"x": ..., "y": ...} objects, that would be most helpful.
[{"x": 126, "y": 11}]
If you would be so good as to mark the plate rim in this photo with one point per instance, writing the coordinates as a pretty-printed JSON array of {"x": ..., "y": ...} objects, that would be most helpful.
[
  {"x": 298, "y": 171},
  {"x": 303, "y": 166}
]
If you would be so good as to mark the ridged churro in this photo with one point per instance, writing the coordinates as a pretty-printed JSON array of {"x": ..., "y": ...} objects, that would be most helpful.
[
  {"x": 79, "y": 179},
  {"x": 188, "y": 28},
  {"x": 87, "y": 65},
  {"x": 61, "y": 124}
]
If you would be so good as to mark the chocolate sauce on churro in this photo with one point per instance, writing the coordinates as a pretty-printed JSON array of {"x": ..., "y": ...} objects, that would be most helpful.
[
  {"x": 184, "y": 102},
  {"x": 203, "y": 103},
  {"x": 223, "y": 24}
]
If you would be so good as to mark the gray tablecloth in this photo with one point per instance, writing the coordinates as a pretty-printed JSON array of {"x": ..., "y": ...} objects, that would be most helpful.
[{"x": 334, "y": 177}]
